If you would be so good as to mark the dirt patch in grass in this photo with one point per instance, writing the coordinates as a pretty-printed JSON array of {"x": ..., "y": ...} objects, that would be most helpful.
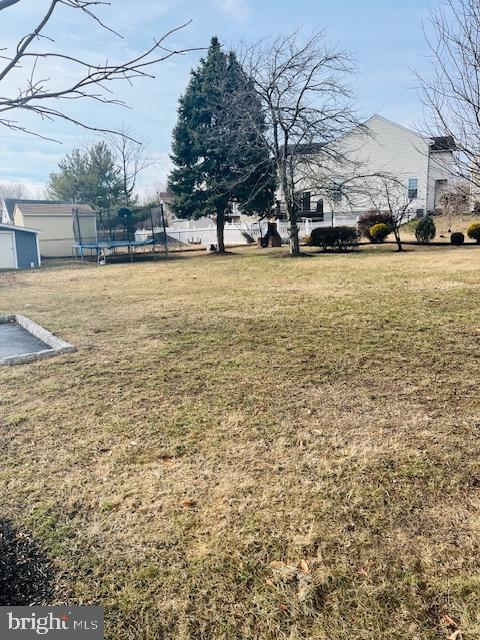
[{"x": 255, "y": 448}]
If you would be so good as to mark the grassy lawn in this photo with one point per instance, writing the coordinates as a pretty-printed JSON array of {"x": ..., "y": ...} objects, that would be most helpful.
[
  {"x": 458, "y": 223},
  {"x": 252, "y": 447}
]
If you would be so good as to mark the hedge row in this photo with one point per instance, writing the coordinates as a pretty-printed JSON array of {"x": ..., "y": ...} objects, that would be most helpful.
[{"x": 334, "y": 238}]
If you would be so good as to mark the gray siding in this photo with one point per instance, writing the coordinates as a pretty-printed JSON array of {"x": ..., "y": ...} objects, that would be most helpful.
[{"x": 26, "y": 249}]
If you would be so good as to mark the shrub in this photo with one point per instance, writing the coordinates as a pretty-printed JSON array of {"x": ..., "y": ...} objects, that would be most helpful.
[
  {"x": 473, "y": 231},
  {"x": 370, "y": 218},
  {"x": 425, "y": 230},
  {"x": 457, "y": 238},
  {"x": 337, "y": 238},
  {"x": 380, "y": 231}
]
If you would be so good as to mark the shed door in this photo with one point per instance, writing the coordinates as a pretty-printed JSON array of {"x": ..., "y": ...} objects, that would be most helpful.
[{"x": 7, "y": 250}]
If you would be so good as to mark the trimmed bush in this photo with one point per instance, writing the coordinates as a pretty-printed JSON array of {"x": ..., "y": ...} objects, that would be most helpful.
[
  {"x": 370, "y": 218},
  {"x": 473, "y": 231},
  {"x": 336, "y": 238},
  {"x": 457, "y": 238},
  {"x": 380, "y": 231},
  {"x": 425, "y": 230}
]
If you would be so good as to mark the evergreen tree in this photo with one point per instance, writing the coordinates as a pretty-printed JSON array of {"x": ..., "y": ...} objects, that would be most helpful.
[
  {"x": 218, "y": 149},
  {"x": 90, "y": 177},
  {"x": 425, "y": 229}
]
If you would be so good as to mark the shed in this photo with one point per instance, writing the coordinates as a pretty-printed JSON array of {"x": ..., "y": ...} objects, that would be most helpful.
[
  {"x": 61, "y": 224},
  {"x": 19, "y": 248}
]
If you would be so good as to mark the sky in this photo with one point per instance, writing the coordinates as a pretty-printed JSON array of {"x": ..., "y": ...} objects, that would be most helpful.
[{"x": 385, "y": 38}]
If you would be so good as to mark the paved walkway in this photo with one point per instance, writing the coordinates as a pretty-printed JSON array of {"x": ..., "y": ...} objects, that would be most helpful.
[{"x": 17, "y": 341}]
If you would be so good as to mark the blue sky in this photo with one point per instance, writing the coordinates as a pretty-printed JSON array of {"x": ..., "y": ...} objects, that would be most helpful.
[{"x": 385, "y": 37}]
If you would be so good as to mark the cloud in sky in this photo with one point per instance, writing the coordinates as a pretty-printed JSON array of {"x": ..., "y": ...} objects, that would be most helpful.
[
  {"x": 238, "y": 10},
  {"x": 154, "y": 177},
  {"x": 384, "y": 58}
]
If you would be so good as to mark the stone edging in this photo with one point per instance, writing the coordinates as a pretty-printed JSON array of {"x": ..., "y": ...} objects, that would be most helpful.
[{"x": 57, "y": 346}]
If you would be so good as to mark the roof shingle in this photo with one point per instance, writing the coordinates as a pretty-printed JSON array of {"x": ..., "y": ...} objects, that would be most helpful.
[{"x": 42, "y": 208}]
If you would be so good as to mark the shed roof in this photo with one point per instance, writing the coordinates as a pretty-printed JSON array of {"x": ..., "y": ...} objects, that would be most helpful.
[
  {"x": 45, "y": 208},
  {"x": 15, "y": 227},
  {"x": 11, "y": 202}
]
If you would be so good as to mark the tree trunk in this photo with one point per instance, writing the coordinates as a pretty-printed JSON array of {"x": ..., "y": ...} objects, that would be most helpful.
[
  {"x": 396, "y": 233},
  {"x": 220, "y": 232},
  {"x": 293, "y": 231}
]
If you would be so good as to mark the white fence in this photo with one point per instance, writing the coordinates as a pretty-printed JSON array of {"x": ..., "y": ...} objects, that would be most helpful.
[
  {"x": 243, "y": 233},
  {"x": 206, "y": 235},
  {"x": 304, "y": 228}
]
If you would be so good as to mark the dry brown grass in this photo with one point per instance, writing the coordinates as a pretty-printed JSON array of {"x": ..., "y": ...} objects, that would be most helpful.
[
  {"x": 247, "y": 447},
  {"x": 458, "y": 223}
]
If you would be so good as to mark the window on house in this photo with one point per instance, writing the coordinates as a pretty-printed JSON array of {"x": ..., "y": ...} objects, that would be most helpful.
[
  {"x": 319, "y": 217},
  {"x": 336, "y": 192},
  {"x": 306, "y": 201},
  {"x": 413, "y": 189}
]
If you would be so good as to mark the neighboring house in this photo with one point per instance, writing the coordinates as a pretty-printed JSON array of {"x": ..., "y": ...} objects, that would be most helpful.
[
  {"x": 424, "y": 166},
  {"x": 60, "y": 223},
  {"x": 19, "y": 247}
]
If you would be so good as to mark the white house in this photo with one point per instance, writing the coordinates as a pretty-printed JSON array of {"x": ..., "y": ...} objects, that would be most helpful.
[
  {"x": 424, "y": 166},
  {"x": 60, "y": 223}
]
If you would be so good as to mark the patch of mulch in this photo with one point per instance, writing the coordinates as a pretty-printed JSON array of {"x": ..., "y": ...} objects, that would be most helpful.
[{"x": 26, "y": 572}]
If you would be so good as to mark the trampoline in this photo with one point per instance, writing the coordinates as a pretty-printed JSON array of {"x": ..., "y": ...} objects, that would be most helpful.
[{"x": 102, "y": 249}]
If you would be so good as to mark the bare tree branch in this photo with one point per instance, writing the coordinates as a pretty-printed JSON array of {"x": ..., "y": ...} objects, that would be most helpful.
[
  {"x": 91, "y": 79},
  {"x": 388, "y": 190},
  {"x": 130, "y": 159},
  {"x": 451, "y": 93},
  {"x": 7, "y": 3},
  {"x": 308, "y": 105}
]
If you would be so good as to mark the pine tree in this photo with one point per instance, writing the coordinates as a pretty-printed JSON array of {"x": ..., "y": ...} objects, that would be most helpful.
[
  {"x": 218, "y": 149},
  {"x": 88, "y": 176}
]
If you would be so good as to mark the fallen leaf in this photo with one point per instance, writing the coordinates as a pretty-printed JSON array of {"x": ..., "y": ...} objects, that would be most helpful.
[
  {"x": 449, "y": 622},
  {"x": 276, "y": 565},
  {"x": 303, "y": 566},
  {"x": 189, "y": 502},
  {"x": 269, "y": 583},
  {"x": 456, "y": 635}
]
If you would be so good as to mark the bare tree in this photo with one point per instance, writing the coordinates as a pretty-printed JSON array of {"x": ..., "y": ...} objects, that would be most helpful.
[
  {"x": 308, "y": 105},
  {"x": 31, "y": 69},
  {"x": 388, "y": 193},
  {"x": 15, "y": 190},
  {"x": 454, "y": 204},
  {"x": 130, "y": 158},
  {"x": 451, "y": 94}
]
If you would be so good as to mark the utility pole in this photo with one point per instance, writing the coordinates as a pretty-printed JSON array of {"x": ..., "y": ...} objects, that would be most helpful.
[
  {"x": 77, "y": 235},
  {"x": 164, "y": 227},
  {"x": 153, "y": 234}
]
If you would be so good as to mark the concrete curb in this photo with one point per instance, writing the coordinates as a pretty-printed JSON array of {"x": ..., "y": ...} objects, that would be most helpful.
[{"x": 57, "y": 345}]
